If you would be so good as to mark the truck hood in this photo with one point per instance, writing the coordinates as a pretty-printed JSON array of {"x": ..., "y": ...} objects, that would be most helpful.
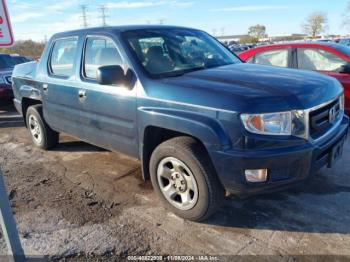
[{"x": 249, "y": 88}]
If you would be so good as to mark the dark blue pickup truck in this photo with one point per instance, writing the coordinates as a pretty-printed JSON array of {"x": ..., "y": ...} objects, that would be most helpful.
[{"x": 201, "y": 121}]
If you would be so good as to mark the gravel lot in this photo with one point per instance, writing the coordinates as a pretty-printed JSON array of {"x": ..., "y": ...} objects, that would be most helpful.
[{"x": 81, "y": 200}]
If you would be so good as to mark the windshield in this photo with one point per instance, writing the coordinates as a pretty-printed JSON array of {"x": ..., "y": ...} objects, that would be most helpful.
[
  {"x": 173, "y": 52},
  {"x": 6, "y": 62}
]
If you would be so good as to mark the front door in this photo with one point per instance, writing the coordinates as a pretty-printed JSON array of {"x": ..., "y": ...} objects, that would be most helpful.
[{"x": 108, "y": 111}]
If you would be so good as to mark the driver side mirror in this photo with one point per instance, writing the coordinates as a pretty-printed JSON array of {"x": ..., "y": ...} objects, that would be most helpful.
[
  {"x": 114, "y": 75},
  {"x": 345, "y": 69}
]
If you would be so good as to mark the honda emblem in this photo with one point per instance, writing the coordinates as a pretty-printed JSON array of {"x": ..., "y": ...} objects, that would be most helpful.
[{"x": 332, "y": 114}]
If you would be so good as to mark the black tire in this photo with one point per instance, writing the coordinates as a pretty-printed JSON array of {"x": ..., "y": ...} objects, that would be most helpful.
[
  {"x": 49, "y": 137},
  {"x": 210, "y": 191}
]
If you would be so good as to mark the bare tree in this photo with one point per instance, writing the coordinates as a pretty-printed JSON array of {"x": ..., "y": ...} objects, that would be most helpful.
[
  {"x": 315, "y": 24},
  {"x": 257, "y": 31},
  {"x": 247, "y": 39}
]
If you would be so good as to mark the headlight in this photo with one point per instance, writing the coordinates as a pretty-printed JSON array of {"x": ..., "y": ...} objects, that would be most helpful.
[
  {"x": 268, "y": 124},
  {"x": 342, "y": 102}
]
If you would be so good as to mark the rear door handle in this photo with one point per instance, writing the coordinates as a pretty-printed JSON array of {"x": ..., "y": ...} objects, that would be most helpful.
[
  {"x": 45, "y": 87},
  {"x": 82, "y": 93}
]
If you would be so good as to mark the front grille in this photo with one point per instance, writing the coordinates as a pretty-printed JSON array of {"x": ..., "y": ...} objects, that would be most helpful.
[
  {"x": 8, "y": 80},
  {"x": 322, "y": 119}
]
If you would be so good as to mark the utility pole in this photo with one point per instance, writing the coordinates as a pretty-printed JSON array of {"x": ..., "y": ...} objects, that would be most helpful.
[
  {"x": 222, "y": 30},
  {"x": 103, "y": 9},
  {"x": 83, "y": 15}
]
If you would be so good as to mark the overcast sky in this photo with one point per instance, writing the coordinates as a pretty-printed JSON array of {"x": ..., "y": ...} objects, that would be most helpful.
[{"x": 35, "y": 19}]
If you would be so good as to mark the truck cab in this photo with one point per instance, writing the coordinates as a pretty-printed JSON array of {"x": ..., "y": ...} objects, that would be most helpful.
[{"x": 201, "y": 121}]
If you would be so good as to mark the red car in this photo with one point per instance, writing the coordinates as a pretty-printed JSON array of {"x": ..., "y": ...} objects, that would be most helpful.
[{"x": 327, "y": 58}]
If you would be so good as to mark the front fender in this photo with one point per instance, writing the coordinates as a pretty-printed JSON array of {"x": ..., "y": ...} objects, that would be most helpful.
[{"x": 205, "y": 128}]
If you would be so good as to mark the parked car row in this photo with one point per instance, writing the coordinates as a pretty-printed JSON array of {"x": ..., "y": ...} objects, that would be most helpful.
[
  {"x": 238, "y": 48},
  {"x": 200, "y": 120},
  {"x": 7, "y": 63}
]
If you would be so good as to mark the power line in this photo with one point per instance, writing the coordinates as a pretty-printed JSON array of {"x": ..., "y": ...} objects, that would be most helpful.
[
  {"x": 83, "y": 15},
  {"x": 103, "y": 10}
]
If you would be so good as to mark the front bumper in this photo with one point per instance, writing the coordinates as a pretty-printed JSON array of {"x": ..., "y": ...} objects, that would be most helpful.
[{"x": 285, "y": 165}]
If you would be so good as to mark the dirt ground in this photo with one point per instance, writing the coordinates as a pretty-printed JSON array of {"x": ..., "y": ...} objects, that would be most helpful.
[{"x": 79, "y": 200}]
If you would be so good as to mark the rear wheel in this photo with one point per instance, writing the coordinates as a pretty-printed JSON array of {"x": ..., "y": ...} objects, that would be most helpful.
[
  {"x": 184, "y": 179},
  {"x": 42, "y": 135}
]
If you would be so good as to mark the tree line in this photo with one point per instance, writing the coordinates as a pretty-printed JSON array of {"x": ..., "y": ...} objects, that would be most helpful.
[
  {"x": 28, "y": 48},
  {"x": 314, "y": 24}
]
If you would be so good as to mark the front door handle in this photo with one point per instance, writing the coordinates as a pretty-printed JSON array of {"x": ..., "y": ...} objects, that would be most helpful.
[
  {"x": 45, "y": 87},
  {"x": 82, "y": 93}
]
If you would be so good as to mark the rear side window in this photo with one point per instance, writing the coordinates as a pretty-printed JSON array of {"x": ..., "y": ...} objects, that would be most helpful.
[
  {"x": 99, "y": 51},
  {"x": 318, "y": 60},
  {"x": 273, "y": 58},
  {"x": 63, "y": 57}
]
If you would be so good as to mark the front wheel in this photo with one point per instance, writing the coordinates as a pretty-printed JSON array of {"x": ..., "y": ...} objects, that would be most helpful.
[
  {"x": 184, "y": 179},
  {"x": 42, "y": 135}
]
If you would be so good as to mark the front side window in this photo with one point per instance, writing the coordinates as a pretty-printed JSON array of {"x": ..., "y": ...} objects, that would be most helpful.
[
  {"x": 63, "y": 57},
  {"x": 173, "y": 52},
  {"x": 99, "y": 51},
  {"x": 273, "y": 58},
  {"x": 318, "y": 60}
]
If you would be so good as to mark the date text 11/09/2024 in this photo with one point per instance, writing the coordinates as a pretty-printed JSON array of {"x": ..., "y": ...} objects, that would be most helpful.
[{"x": 173, "y": 258}]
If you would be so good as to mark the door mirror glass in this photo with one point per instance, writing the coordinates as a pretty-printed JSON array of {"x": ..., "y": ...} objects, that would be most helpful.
[{"x": 111, "y": 75}]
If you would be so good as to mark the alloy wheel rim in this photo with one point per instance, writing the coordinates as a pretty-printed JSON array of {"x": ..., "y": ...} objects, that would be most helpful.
[
  {"x": 35, "y": 129},
  {"x": 177, "y": 183}
]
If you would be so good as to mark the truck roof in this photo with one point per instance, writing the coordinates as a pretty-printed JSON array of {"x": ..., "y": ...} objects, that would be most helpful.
[{"x": 122, "y": 28}]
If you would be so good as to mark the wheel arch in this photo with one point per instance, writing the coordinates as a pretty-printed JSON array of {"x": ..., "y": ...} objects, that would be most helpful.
[
  {"x": 157, "y": 126},
  {"x": 26, "y": 103}
]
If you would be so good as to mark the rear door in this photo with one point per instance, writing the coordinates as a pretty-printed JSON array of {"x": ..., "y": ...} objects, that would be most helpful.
[
  {"x": 60, "y": 91},
  {"x": 108, "y": 111},
  {"x": 327, "y": 63}
]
